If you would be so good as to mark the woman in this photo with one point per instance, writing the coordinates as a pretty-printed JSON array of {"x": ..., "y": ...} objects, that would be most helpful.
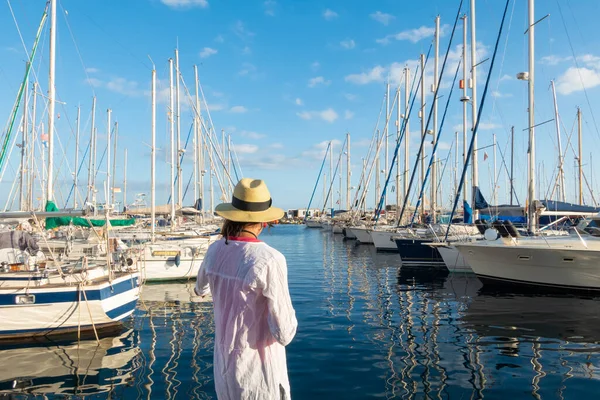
[{"x": 254, "y": 317}]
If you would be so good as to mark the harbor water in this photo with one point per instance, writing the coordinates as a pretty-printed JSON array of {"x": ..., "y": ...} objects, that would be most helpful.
[{"x": 367, "y": 329}]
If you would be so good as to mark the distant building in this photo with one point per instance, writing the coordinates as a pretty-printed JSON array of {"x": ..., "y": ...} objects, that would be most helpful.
[{"x": 302, "y": 213}]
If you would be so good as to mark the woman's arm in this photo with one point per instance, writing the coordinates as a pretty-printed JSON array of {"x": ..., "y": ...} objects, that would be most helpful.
[
  {"x": 202, "y": 288},
  {"x": 282, "y": 317}
]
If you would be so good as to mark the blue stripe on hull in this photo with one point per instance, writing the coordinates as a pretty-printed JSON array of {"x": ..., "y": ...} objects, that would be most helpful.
[
  {"x": 414, "y": 251},
  {"x": 56, "y": 331},
  {"x": 125, "y": 308},
  {"x": 46, "y": 297}
]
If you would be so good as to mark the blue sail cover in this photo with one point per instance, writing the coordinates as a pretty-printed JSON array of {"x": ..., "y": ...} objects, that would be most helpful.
[
  {"x": 467, "y": 213},
  {"x": 516, "y": 214}
]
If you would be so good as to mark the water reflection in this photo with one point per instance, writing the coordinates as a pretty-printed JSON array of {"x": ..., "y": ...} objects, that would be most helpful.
[
  {"x": 179, "y": 330},
  {"x": 368, "y": 328},
  {"x": 78, "y": 369}
]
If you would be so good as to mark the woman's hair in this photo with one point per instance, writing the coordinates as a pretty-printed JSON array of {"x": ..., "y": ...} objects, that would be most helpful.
[{"x": 233, "y": 228}]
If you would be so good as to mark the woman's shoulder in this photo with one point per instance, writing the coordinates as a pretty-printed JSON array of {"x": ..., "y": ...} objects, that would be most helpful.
[{"x": 268, "y": 253}]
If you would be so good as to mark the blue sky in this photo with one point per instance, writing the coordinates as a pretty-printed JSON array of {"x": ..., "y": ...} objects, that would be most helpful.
[{"x": 282, "y": 77}]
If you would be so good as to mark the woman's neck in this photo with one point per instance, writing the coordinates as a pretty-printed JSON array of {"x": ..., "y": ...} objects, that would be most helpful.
[{"x": 251, "y": 231}]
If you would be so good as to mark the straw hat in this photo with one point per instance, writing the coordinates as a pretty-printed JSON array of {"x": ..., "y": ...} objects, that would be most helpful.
[{"x": 251, "y": 202}]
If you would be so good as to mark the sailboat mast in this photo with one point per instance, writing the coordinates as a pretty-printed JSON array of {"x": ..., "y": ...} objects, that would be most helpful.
[
  {"x": 331, "y": 174},
  {"x": 386, "y": 135},
  {"x": 91, "y": 159},
  {"x": 75, "y": 173},
  {"x": 172, "y": 135},
  {"x": 108, "y": 188},
  {"x": 114, "y": 166},
  {"x": 32, "y": 151},
  {"x": 531, "y": 215},
  {"x": 579, "y": 161},
  {"x": 433, "y": 199},
  {"x": 200, "y": 149},
  {"x": 24, "y": 146},
  {"x": 561, "y": 172},
  {"x": 398, "y": 119},
  {"x": 406, "y": 131},
  {"x": 377, "y": 169},
  {"x": 494, "y": 180},
  {"x": 348, "y": 172},
  {"x": 455, "y": 163},
  {"x": 512, "y": 163},
  {"x": 177, "y": 118},
  {"x": 474, "y": 164},
  {"x": 465, "y": 101},
  {"x": 423, "y": 133},
  {"x": 51, "y": 102},
  {"x": 153, "y": 161},
  {"x": 125, "y": 182}
]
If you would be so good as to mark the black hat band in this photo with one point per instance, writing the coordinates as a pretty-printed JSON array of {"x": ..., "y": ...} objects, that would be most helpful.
[{"x": 251, "y": 205}]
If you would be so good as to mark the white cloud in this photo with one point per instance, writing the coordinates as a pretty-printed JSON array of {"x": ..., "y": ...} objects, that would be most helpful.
[
  {"x": 185, "y": 3},
  {"x": 348, "y": 44},
  {"x": 207, "y": 52},
  {"x": 497, "y": 94},
  {"x": 238, "y": 109},
  {"x": 328, "y": 115},
  {"x": 246, "y": 50},
  {"x": 269, "y": 6},
  {"x": 317, "y": 151},
  {"x": 590, "y": 61},
  {"x": 270, "y": 162},
  {"x": 506, "y": 77},
  {"x": 413, "y": 35},
  {"x": 329, "y": 14},
  {"x": 298, "y": 101},
  {"x": 554, "y": 59},
  {"x": 245, "y": 148},
  {"x": 118, "y": 85},
  {"x": 319, "y": 80},
  {"x": 571, "y": 80},
  {"x": 252, "y": 135},
  {"x": 248, "y": 70},
  {"x": 94, "y": 82},
  {"x": 350, "y": 96},
  {"x": 382, "y": 18},
  {"x": 216, "y": 107},
  {"x": 395, "y": 71},
  {"x": 484, "y": 126},
  {"x": 276, "y": 146},
  {"x": 92, "y": 70},
  {"x": 488, "y": 126},
  {"x": 348, "y": 114},
  {"x": 240, "y": 30},
  {"x": 315, "y": 66},
  {"x": 123, "y": 86},
  {"x": 375, "y": 74},
  {"x": 219, "y": 39}
]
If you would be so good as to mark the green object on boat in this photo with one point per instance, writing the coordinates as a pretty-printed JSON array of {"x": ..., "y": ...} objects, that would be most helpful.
[{"x": 55, "y": 222}]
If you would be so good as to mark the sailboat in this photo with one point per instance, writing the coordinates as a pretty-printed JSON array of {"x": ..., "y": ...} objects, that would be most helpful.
[
  {"x": 561, "y": 262},
  {"x": 46, "y": 298}
]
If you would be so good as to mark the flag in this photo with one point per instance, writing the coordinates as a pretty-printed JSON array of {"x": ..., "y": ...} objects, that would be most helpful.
[
  {"x": 485, "y": 156},
  {"x": 44, "y": 138}
]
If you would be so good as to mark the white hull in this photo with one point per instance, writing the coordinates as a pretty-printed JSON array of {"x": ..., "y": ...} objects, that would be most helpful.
[
  {"x": 383, "y": 241},
  {"x": 561, "y": 263},
  {"x": 454, "y": 260},
  {"x": 178, "y": 260},
  {"x": 348, "y": 234},
  {"x": 313, "y": 224},
  {"x": 54, "y": 309},
  {"x": 362, "y": 235}
]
